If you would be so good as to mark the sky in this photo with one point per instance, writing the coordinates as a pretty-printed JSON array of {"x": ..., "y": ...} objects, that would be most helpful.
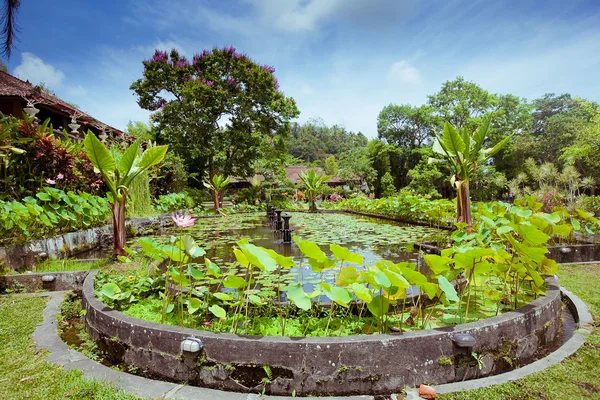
[{"x": 341, "y": 60}]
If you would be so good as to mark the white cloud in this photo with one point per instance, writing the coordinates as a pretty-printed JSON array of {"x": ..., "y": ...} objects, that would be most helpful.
[
  {"x": 77, "y": 91},
  {"x": 36, "y": 71},
  {"x": 404, "y": 72}
]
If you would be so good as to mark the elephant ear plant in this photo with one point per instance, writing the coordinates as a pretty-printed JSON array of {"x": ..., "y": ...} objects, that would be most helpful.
[
  {"x": 118, "y": 177},
  {"x": 216, "y": 185},
  {"x": 464, "y": 152}
]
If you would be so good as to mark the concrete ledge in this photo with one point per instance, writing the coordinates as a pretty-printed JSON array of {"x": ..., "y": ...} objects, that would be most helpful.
[
  {"x": 373, "y": 364},
  {"x": 24, "y": 256},
  {"x": 46, "y": 337},
  {"x": 71, "y": 280}
]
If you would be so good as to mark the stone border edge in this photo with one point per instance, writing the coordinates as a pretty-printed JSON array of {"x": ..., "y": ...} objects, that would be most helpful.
[
  {"x": 46, "y": 337},
  {"x": 584, "y": 320}
]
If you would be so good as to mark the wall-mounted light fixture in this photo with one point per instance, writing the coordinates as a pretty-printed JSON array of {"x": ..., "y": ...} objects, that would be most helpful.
[
  {"x": 191, "y": 345},
  {"x": 464, "y": 340}
]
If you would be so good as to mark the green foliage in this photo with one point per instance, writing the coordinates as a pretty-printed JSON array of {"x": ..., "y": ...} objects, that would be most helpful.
[
  {"x": 425, "y": 177},
  {"x": 52, "y": 212},
  {"x": 141, "y": 202},
  {"x": 170, "y": 176},
  {"x": 173, "y": 202},
  {"x": 387, "y": 185},
  {"x": 314, "y": 184},
  {"x": 35, "y": 156},
  {"x": 406, "y": 126},
  {"x": 314, "y": 141},
  {"x": 331, "y": 166},
  {"x": 464, "y": 152},
  {"x": 118, "y": 175}
]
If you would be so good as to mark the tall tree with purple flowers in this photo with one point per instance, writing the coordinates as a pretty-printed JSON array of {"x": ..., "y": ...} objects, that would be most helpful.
[{"x": 216, "y": 110}]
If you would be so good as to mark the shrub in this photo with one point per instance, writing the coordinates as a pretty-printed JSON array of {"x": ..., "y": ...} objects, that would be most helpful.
[
  {"x": 53, "y": 212},
  {"x": 173, "y": 201}
]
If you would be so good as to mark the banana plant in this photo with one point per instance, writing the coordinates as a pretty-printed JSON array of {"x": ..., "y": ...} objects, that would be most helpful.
[
  {"x": 118, "y": 177},
  {"x": 464, "y": 152},
  {"x": 314, "y": 184},
  {"x": 216, "y": 185}
]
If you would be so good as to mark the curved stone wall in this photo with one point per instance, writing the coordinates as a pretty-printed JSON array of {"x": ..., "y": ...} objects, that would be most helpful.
[{"x": 373, "y": 364}]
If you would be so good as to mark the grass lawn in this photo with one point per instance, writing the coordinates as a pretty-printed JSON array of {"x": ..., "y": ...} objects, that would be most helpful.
[
  {"x": 25, "y": 375},
  {"x": 577, "y": 377}
]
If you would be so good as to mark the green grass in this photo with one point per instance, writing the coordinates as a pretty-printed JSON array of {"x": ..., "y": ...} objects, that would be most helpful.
[
  {"x": 67, "y": 264},
  {"x": 23, "y": 372},
  {"x": 578, "y": 376}
]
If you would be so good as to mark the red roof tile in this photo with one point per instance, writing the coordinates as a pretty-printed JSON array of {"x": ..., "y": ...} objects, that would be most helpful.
[{"x": 13, "y": 86}]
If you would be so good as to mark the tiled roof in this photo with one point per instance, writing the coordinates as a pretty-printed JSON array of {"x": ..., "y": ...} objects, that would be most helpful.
[{"x": 13, "y": 86}]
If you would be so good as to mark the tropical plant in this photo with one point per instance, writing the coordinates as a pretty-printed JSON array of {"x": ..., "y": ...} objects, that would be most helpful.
[
  {"x": 217, "y": 185},
  {"x": 118, "y": 177},
  {"x": 314, "y": 183},
  {"x": 50, "y": 212},
  {"x": 173, "y": 202},
  {"x": 465, "y": 153}
]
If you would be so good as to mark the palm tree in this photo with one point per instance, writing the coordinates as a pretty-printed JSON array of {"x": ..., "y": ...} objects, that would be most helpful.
[
  {"x": 464, "y": 153},
  {"x": 9, "y": 25},
  {"x": 588, "y": 183},
  {"x": 314, "y": 184}
]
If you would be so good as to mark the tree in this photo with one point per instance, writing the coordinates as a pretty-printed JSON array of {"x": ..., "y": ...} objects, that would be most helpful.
[
  {"x": 216, "y": 185},
  {"x": 379, "y": 156},
  {"x": 387, "y": 185},
  {"x": 464, "y": 152},
  {"x": 216, "y": 110},
  {"x": 331, "y": 166},
  {"x": 556, "y": 121},
  {"x": 139, "y": 130},
  {"x": 583, "y": 152},
  {"x": 314, "y": 184},
  {"x": 462, "y": 103},
  {"x": 425, "y": 177},
  {"x": 406, "y": 126},
  {"x": 315, "y": 141},
  {"x": 355, "y": 164},
  {"x": 118, "y": 175}
]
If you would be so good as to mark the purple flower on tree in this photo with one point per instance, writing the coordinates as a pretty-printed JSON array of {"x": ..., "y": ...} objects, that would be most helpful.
[
  {"x": 231, "y": 82},
  {"x": 182, "y": 63},
  {"x": 160, "y": 57},
  {"x": 207, "y": 82},
  {"x": 268, "y": 68}
]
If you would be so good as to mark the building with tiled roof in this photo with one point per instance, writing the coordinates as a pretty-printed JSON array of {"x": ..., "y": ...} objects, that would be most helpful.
[{"x": 13, "y": 95}]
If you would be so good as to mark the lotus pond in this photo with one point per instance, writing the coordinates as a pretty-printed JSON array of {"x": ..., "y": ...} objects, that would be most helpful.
[{"x": 343, "y": 275}]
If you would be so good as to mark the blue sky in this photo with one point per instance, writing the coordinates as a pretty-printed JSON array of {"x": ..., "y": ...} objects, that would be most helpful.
[{"x": 342, "y": 60}]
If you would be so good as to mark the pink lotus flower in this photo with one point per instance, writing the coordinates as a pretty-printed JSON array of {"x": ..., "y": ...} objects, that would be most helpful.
[
  {"x": 60, "y": 175},
  {"x": 183, "y": 221},
  {"x": 50, "y": 181}
]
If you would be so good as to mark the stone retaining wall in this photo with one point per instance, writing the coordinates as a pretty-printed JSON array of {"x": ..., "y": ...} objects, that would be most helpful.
[
  {"x": 72, "y": 280},
  {"x": 24, "y": 256},
  {"x": 373, "y": 364}
]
